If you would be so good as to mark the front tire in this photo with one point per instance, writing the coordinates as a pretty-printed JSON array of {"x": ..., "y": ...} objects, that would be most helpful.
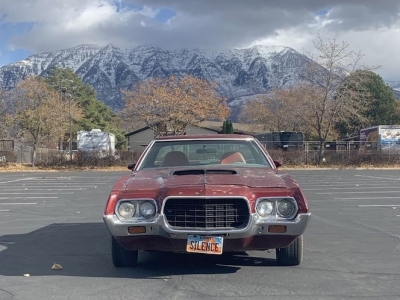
[
  {"x": 291, "y": 255},
  {"x": 121, "y": 257}
]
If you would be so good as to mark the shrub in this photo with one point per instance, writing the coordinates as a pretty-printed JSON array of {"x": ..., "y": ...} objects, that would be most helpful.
[{"x": 7, "y": 157}]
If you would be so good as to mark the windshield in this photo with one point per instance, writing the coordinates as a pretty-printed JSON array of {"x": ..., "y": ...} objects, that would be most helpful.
[{"x": 204, "y": 152}]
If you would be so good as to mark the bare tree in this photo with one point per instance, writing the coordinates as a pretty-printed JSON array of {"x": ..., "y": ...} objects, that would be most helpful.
[
  {"x": 327, "y": 94},
  {"x": 325, "y": 99},
  {"x": 40, "y": 113},
  {"x": 275, "y": 111},
  {"x": 169, "y": 105}
]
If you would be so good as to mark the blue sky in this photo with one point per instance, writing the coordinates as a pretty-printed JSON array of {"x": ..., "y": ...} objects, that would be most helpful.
[
  {"x": 10, "y": 52},
  {"x": 36, "y": 26},
  {"x": 7, "y": 31}
]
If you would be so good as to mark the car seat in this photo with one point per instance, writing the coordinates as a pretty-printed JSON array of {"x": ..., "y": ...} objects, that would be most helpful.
[
  {"x": 175, "y": 158},
  {"x": 232, "y": 157}
]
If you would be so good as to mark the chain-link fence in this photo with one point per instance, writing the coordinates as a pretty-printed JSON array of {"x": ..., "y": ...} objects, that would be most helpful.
[
  {"x": 336, "y": 153},
  {"x": 53, "y": 157},
  {"x": 11, "y": 152},
  {"x": 351, "y": 153}
]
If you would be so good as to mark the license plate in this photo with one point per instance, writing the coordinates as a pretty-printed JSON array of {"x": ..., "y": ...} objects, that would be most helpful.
[{"x": 204, "y": 244}]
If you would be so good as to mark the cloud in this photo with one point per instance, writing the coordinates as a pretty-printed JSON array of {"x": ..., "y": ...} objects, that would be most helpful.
[
  {"x": 57, "y": 26},
  {"x": 207, "y": 24}
]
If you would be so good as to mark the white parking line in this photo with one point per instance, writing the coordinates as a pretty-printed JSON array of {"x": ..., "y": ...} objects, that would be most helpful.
[
  {"x": 350, "y": 183},
  {"x": 26, "y": 203},
  {"x": 380, "y": 205},
  {"x": 4, "y": 210},
  {"x": 345, "y": 186},
  {"x": 358, "y": 187},
  {"x": 40, "y": 189},
  {"x": 35, "y": 184},
  {"x": 53, "y": 186},
  {"x": 41, "y": 193},
  {"x": 367, "y": 198},
  {"x": 377, "y": 177},
  {"x": 5, "y": 198},
  {"x": 15, "y": 180},
  {"x": 369, "y": 192}
]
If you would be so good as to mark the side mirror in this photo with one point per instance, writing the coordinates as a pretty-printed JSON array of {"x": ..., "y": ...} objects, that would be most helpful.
[
  {"x": 278, "y": 163},
  {"x": 131, "y": 166}
]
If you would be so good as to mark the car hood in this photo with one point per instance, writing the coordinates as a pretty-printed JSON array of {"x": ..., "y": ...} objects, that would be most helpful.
[{"x": 171, "y": 178}]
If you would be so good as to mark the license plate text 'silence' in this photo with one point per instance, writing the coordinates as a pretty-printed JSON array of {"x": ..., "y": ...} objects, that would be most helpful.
[{"x": 204, "y": 244}]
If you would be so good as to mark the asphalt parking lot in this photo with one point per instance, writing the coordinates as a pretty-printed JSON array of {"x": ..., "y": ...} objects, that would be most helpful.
[{"x": 352, "y": 246}]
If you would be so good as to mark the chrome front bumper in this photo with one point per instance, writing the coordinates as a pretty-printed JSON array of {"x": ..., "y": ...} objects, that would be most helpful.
[{"x": 159, "y": 227}]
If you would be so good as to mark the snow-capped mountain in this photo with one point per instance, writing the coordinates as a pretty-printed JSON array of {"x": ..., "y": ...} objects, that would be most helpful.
[
  {"x": 240, "y": 73},
  {"x": 395, "y": 85}
]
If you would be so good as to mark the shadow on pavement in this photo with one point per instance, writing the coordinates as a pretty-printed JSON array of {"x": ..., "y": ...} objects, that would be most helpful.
[{"x": 83, "y": 249}]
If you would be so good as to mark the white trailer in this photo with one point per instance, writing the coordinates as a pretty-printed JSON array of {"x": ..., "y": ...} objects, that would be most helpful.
[
  {"x": 381, "y": 137},
  {"x": 96, "y": 141}
]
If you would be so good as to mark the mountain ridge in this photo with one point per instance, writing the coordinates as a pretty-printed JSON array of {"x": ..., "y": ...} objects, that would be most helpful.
[{"x": 240, "y": 73}]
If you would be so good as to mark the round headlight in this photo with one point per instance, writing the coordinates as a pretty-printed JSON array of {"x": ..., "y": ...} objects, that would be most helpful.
[
  {"x": 285, "y": 208},
  {"x": 147, "y": 209},
  {"x": 126, "y": 210},
  {"x": 265, "y": 208}
]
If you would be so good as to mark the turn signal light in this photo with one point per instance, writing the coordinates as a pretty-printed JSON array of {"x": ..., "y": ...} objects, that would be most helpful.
[
  {"x": 136, "y": 229},
  {"x": 277, "y": 228}
]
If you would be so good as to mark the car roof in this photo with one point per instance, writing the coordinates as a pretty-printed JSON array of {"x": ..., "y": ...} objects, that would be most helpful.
[{"x": 204, "y": 136}]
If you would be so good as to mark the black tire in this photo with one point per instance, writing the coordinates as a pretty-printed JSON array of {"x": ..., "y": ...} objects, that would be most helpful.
[
  {"x": 121, "y": 257},
  {"x": 291, "y": 255}
]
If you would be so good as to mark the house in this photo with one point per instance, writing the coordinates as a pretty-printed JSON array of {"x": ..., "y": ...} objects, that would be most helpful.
[{"x": 140, "y": 138}]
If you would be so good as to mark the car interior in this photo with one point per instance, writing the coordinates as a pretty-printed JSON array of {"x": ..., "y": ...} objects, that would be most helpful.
[
  {"x": 232, "y": 157},
  {"x": 175, "y": 158}
]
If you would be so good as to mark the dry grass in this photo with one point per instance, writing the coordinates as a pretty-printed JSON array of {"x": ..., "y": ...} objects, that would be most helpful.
[{"x": 29, "y": 168}]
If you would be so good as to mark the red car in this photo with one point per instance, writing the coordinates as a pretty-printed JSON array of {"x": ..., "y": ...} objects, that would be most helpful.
[{"x": 206, "y": 194}]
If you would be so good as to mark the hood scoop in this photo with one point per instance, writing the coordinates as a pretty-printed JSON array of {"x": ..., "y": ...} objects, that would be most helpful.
[{"x": 204, "y": 172}]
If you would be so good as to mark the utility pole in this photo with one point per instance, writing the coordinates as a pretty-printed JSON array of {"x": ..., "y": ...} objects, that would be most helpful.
[
  {"x": 70, "y": 129},
  {"x": 63, "y": 91}
]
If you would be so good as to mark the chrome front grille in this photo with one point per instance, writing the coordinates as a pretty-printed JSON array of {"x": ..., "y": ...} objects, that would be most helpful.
[{"x": 207, "y": 213}]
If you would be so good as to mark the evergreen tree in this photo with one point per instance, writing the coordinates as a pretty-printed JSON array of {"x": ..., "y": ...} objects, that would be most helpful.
[
  {"x": 224, "y": 127},
  {"x": 96, "y": 115},
  {"x": 380, "y": 104},
  {"x": 229, "y": 127},
  {"x": 383, "y": 108}
]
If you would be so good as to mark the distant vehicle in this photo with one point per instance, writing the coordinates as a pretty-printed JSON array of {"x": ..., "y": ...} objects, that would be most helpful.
[
  {"x": 207, "y": 194},
  {"x": 284, "y": 140},
  {"x": 381, "y": 137},
  {"x": 96, "y": 141}
]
